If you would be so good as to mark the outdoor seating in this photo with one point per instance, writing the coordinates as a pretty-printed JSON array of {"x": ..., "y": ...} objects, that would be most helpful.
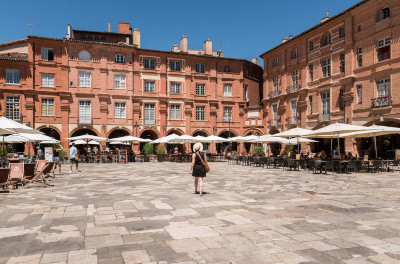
[
  {"x": 354, "y": 165},
  {"x": 39, "y": 177},
  {"x": 4, "y": 179},
  {"x": 29, "y": 172},
  {"x": 258, "y": 161},
  {"x": 292, "y": 163},
  {"x": 393, "y": 165},
  {"x": 16, "y": 173},
  {"x": 270, "y": 162},
  {"x": 377, "y": 165},
  {"x": 245, "y": 161}
]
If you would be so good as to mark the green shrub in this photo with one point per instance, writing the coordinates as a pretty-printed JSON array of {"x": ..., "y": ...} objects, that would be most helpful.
[
  {"x": 258, "y": 150},
  {"x": 148, "y": 149},
  {"x": 4, "y": 150},
  {"x": 62, "y": 154},
  {"x": 288, "y": 148},
  {"x": 160, "y": 149}
]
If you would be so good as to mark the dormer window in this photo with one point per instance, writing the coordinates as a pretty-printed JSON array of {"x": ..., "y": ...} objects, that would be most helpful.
[
  {"x": 119, "y": 58},
  {"x": 383, "y": 14},
  {"x": 84, "y": 55},
  {"x": 326, "y": 40},
  {"x": 295, "y": 54},
  {"x": 276, "y": 62},
  {"x": 227, "y": 69}
]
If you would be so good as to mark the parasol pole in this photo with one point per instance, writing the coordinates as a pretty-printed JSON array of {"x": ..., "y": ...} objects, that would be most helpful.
[
  {"x": 338, "y": 143},
  {"x": 376, "y": 151}
]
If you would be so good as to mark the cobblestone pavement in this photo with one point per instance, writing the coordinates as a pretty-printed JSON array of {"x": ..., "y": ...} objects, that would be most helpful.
[{"x": 148, "y": 213}]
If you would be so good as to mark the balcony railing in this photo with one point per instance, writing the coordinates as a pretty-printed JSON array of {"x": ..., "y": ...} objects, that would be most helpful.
[
  {"x": 293, "y": 120},
  {"x": 326, "y": 117},
  {"x": 381, "y": 101},
  {"x": 273, "y": 123},
  {"x": 149, "y": 122},
  {"x": 85, "y": 120},
  {"x": 293, "y": 88},
  {"x": 274, "y": 93}
]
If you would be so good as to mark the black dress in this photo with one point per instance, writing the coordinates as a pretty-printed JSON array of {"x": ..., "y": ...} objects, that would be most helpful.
[{"x": 198, "y": 169}]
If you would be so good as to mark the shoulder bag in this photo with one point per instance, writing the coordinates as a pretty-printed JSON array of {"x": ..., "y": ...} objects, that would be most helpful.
[{"x": 204, "y": 163}]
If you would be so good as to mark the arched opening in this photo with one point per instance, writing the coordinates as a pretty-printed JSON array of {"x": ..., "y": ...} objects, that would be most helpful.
[
  {"x": 171, "y": 147},
  {"x": 51, "y": 132},
  {"x": 116, "y": 134},
  {"x": 225, "y": 147},
  {"x": 83, "y": 131},
  {"x": 383, "y": 14},
  {"x": 275, "y": 148},
  {"x": 147, "y": 134},
  {"x": 202, "y": 133},
  {"x": 248, "y": 145}
]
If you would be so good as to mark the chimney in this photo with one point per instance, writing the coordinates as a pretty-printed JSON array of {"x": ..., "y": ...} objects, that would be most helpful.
[
  {"x": 325, "y": 18},
  {"x": 127, "y": 40},
  {"x": 255, "y": 61},
  {"x": 123, "y": 27},
  {"x": 208, "y": 47},
  {"x": 290, "y": 36},
  {"x": 69, "y": 32},
  {"x": 184, "y": 47},
  {"x": 109, "y": 26},
  {"x": 136, "y": 37},
  {"x": 284, "y": 40},
  {"x": 175, "y": 48}
]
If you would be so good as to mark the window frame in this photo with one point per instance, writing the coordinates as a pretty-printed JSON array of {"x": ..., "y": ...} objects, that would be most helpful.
[
  {"x": 310, "y": 101},
  {"x": 295, "y": 78},
  {"x": 87, "y": 54},
  {"x": 120, "y": 59},
  {"x": 311, "y": 71},
  {"x": 47, "y": 84},
  {"x": 342, "y": 58},
  {"x": 275, "y": 83},
  {"x": 45, "y": 102},
  {"x": 227, "y": 69},
  {"x": 342, "y": 103},
  {"x": 200, "y": 112},
  {"x": 120, "y": 107},
  {"x": 227, "y": 90},
  {"x": 146, "y": 89},
  {"x": 149, "y": 64},
  {"x": 382, "y": 15},
  {"x": 173, "y": 66},
  {"x": 200, "y": 89},
  {"x": 45, "y": 54},
  {"x": 295, "y": 53},
  {"x": 83, "y": 80},
  {"x": 359, "y": 93},
  {"x": 311, "y": 46},
  {"x": 175, "y": 112},
  {"x": 148, "y": 111},
  {"x": 359, "y": 57},
  {"x": 381, "y": 44},
  {"x": 227, "y": 113},
  {"x": 12, "y": 74},
  {"x": 293, "y": 110},
  {"x": 326, "y": 68},
  {"x": 119, "y": 83},
  {"x": 342, "y": 33},
  {"x": 383, "y": 86},
  {"x": 276, "y": 62},
  {"x": 175, "y": 88},
  {"x": 200, "y": 68},
  {"x": 13, "y": 107},
  {"x": 326, "y": 40},
  {"x": 87, "y": 117}
]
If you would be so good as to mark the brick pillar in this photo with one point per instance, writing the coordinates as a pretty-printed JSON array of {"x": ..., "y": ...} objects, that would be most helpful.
[{"x": 349, "y": 143}]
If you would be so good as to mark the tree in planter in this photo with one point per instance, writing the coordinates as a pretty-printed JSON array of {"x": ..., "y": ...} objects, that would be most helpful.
[
  {"x": 258, "y": 150},
  {"x": 288, "y": 149},
  {"x": 161, "y": 152},
  {"x": 148, "y": 149}
]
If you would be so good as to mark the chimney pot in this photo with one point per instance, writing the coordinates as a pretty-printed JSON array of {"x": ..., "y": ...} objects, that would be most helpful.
[
  {"x": 109, "y": 26},
  {"x": 184, "y": 46},
  {"x": 136, "y": 37},
  {"x": 208, "y": 47}
]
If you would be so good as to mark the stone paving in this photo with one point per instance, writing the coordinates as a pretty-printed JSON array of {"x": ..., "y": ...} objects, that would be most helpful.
[{"x": 148, "y": 213}]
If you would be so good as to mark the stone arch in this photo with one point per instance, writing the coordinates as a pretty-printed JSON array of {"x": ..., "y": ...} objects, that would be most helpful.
[
  {"x": 227, "y": 146},
  {"x": 273, "y": 130},
  {"x": 226, "y": 132},
  {"x": 149, "y": 133},
  {"x": 50, "y": 131},
  {"x": 323, "y": 36},
  {"x": 83, "y": 131},
  {"x": 253, "y": 131},
  {"x": 122, "y": 130},
  {"x": 200, "y": 132},
  {"x": 177, "y": 131}
]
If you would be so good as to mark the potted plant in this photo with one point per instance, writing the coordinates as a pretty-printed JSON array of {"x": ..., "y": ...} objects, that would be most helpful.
[
  {"x": 258, "y": 150},
  {"x": 148, "y": 150},
  {"x": 160, "y": 153},
  {"x": 62, "y": 154}
]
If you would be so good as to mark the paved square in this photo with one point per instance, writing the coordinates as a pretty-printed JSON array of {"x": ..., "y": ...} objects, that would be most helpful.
[{"x": 148, "y": 213}]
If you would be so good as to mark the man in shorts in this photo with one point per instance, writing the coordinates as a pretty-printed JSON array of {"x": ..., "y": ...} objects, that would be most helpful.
[{"x": 73, "y": 157}]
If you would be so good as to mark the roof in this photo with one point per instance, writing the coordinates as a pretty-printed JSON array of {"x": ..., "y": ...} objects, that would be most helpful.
[
  {"x": 14, "y": 56},
  {"x": 101, "y": 32},
  {"x": 13, "y": 42},
  {"x": 317, "y": 26}
]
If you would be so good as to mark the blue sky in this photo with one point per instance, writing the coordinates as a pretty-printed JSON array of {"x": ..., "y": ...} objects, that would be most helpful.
[{"x": 245, "y": 29}]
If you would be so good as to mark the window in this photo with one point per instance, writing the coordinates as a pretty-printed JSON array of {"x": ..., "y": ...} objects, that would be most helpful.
[
  {"x": 149, "y": 87},
  {"x": 84, "y": 55},
  {"x": 310, "y": 102},
  {"x": 275, "y": 114},
  {"x": 341, "y": 99},
  {"x": 295, "y": 54},
  {"x": 12, "y": 76},
  {"x": 12, "y": 108},
  {"x": 149, "y": 114},
  {"x": 359, "y": 93},
  {"x": 326, "y": 68},
  {"x": 294, "y": 78},
  {"x": 227, "y": 114},
  {"x": 276, "y": 62},
  {"x": 120, "y": 81},
  {"x": 227, "y": 69},
  {"x": 175, "y": 112},
  {"x": 326, "y": 40},
  {"x": 149, "y": 64},
  {"x": 276, "y": 83},
  {"x": 342, "y": 62},
  {"x": 227, "y": 89},
  {"x": 293, "y": 104},
  {"x": 85, "y": 79},
  {"x": 311, "y": 72},
  {"x": 85, "y": 112},
  {"x": 341, "y": 33},
  {"x": 384, "y": 49},
  {"x": 311, "y": 47},
  {"x": 47, "y": 107},
  {"x": 175, "y": 88},
  {"x": 47, "y": 54},
  {"x": 383, "y": 87},
  {"x": 383, "y": 14},
  {"x": 359, "y": 57},
  {"x": 200, "y": 89},
  {"x": 119, "y": 58},
  {"x": 200, "y": 68},
  {"x": 47, "y": 80},
  {"x": 326, "y": 111},
  {"x": 120, "y": 110},
  {"x": 200, "y": 113},
  {"x": 175, "y": 66}
]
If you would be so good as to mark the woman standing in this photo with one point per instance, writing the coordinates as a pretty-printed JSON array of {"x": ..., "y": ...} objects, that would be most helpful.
[{"x": 198, "y": 169}]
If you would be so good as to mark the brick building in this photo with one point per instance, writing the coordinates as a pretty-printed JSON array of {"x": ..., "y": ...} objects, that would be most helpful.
[
  {"x": 345, "y": 69},
  {"x": 104, "y": 83}
]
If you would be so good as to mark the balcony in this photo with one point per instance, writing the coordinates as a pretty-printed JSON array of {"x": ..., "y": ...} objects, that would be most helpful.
[
  {"x": 326, "y": 117},
  {"x": 85, "y": 121},
  {"x": 149, "y": 122},
  {"x": 293, "y": 88},
  {"x": 274, "y": 94},
  {"x": 381, "y": 101}
]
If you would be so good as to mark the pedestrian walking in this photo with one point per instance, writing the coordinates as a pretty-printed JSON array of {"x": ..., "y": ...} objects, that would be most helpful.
[
  {"x": 56, "y": 158},
  {"x": 73, "y": 157},
  {"x": 198, "y": 168}
]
